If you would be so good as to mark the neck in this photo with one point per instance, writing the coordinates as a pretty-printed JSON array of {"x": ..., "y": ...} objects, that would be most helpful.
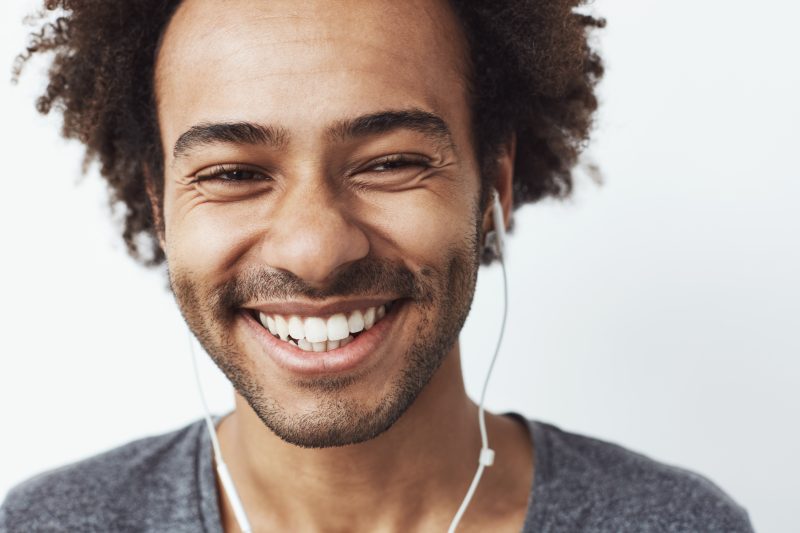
[{"x": 415, "y": 472}]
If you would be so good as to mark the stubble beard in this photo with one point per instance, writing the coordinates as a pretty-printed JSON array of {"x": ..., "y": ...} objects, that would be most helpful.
[{"x": 442, "y": 299}]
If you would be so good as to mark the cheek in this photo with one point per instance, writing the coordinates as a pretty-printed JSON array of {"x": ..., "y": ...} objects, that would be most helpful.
[
  {"x": 208, "y": 238},
  {"x": 418, "y": 227},
  {"x": 423, "y": 227}
]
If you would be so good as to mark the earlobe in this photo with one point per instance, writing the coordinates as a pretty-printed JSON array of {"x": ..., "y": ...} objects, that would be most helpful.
[
  {"x": 497, "y": 216},
  {"x": 503, "y": 183},
  {"x": 504, "y": 177}
]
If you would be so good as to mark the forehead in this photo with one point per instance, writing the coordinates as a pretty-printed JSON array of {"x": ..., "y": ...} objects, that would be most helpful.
[{"x": 300, "y": 63}]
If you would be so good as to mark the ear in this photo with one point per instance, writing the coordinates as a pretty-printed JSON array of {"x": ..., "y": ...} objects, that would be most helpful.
[
  {"x": 505, "y": 176},
  {"x": 503, "y": 181},
  {"x": 155, "y": 206}
]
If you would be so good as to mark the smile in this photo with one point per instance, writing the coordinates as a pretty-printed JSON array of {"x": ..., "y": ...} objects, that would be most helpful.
[
  {"x": 306, "y": 343},
  {"x": 321, "y": 333}
]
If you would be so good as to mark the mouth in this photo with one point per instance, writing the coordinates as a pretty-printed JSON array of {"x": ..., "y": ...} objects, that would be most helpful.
[
  {"x": 314, "y": 341},
  {"x": 322, "y": 333}
]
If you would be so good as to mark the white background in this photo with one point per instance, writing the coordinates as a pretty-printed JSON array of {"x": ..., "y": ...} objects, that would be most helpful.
[{"x": 660, "y": 310}]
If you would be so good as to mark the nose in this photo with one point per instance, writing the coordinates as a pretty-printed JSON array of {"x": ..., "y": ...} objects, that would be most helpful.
[{"x": 313, "y": 235}]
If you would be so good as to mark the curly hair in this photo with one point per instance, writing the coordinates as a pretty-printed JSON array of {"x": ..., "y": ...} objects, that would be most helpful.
[{"x": 533, "y": 74}]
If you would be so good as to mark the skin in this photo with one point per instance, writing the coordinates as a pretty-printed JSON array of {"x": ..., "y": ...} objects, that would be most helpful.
[{"x": 302, "y": 68}]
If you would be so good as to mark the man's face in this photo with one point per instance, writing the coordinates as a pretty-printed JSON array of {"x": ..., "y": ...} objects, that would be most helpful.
[{"x": 319, "y": 170}]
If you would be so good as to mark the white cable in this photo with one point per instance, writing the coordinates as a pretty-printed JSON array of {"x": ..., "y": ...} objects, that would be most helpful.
[
  {"x": 486, "y": 457},
  {"x": 224, "y": 474}
]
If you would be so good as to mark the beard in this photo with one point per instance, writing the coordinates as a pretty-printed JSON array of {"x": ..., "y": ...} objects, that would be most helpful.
[{"x": 441, "y": 296}]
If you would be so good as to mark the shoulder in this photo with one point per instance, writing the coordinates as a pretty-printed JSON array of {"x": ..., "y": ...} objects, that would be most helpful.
[
  {"x": 602, "y": 486},
  {"x": 115, "y": 491}
]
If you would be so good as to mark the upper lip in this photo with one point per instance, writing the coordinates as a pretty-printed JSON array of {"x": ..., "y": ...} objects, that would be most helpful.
[{"x": 318, "y": 308}]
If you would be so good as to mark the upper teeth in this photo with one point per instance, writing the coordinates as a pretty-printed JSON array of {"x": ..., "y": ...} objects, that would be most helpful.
[{"x": 313, "y": 332}]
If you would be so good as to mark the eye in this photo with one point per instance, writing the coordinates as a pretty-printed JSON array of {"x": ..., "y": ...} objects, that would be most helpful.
[
  {"x": 230, "y": 182},
  {"x": 392, "y": 173},
  {"x": 396, "y": 162},
  {"x": 231, "y": 174}
]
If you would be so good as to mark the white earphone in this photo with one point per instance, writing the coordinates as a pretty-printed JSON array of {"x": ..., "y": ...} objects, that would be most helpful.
[
  {"x": 495, "y": 238},
  {"x": 499, "y": 224}
]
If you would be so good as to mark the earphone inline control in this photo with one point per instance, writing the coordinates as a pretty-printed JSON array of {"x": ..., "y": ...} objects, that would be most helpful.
[{"x": 496, "y": 239}]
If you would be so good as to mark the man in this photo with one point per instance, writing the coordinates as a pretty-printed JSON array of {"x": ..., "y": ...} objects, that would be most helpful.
[{"x": 318, "y": 176}]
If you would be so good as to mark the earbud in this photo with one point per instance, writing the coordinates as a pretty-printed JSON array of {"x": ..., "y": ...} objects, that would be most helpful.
[
  {"x": 496, "y": 238},
  {"x": 499, "y": 223}
]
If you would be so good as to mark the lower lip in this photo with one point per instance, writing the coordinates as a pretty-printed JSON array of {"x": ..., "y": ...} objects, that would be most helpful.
[{"x": 346, "y": 358}]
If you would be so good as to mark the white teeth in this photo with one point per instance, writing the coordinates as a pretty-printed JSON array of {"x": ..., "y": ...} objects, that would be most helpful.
[
  {"x": 337, "y": 327},
  {"x": 369, "y": 318},
  {"x": 282, "y": 327},
  {"x": 320, "y": 334},
  {"x": 315, "y": 329},
  {"x": 304, "y": 345},
  {"x": 296, "y": 328},
  {"x": 355, "y": 322},
  {"x": 271, "y": 325}
]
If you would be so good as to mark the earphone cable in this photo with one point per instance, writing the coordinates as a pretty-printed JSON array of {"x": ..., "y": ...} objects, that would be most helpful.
[
  {"x": 222, "y": 469},
  {"x": 486, "y": 457}
]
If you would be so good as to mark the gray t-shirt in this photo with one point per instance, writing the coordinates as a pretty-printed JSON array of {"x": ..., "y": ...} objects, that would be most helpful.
[{"x": 167, "y": 484}]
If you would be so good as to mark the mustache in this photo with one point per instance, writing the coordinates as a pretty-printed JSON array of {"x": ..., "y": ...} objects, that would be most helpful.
[{"x": 366, "y": 277}]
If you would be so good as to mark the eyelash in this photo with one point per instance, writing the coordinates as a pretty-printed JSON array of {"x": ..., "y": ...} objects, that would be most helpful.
[
  {"x": 217, "y": 172},
  {"x": 394, "y": 162},
  {"x": 401, "y": 160}
]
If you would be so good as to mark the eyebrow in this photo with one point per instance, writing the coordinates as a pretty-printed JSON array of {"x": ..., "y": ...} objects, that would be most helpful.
[
  {"x": 207, "y": 133},
  {"x": 417, "y": 120}
]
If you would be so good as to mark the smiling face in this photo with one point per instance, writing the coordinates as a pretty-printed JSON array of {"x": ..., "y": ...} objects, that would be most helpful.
[{"x": 321, "y": 202}]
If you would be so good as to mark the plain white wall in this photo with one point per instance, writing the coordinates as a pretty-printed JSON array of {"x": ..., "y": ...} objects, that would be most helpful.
[{"x": 660, "y": 311}]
